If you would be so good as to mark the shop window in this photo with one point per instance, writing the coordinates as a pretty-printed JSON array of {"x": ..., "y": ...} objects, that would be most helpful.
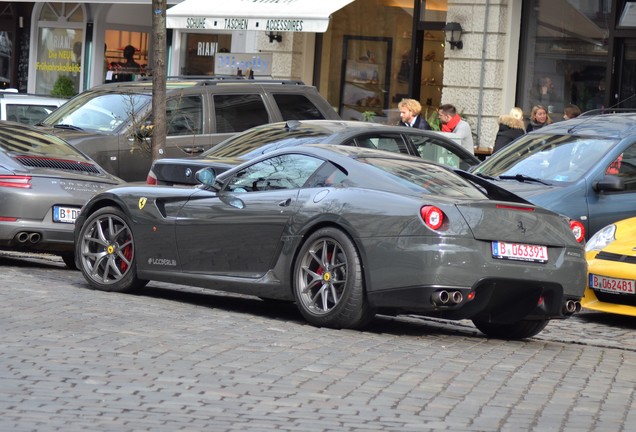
[
  {"x": 566, "y": 48},
  {"x": 60, "y": 48}
]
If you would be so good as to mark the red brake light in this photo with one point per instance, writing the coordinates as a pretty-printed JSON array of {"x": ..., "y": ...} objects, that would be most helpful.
[
  {"x": 17, "y": 181},
  {"x": 578, "y": 230},
  {"x": 151, "y": 179},
  {"x": 433, "y": 217}
]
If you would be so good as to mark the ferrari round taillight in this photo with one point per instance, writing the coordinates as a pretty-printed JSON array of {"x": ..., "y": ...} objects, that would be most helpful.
[
  {"x": 433, "y": 217},
  {"x": 578, "y": 230},
  {"x": 151, "y": 179}
]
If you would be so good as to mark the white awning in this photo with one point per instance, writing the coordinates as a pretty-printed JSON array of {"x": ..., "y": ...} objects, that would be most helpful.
[{"x": 265, "y": 15}]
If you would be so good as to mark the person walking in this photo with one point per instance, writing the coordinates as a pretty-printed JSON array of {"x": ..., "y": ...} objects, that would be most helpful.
[
  {"x": 452, "y": 122},
  {"x": 410, "y": 114},
  {"x": 571, "y": 111},
  {"x": 511, "y": 127},
  {"x": 538, "y": 118}
]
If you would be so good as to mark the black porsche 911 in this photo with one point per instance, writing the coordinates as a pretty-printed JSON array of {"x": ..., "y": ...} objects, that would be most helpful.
[{"x": 345, "y": 233}]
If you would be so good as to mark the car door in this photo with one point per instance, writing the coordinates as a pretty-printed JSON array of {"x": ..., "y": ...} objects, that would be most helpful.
[
  {"x": 185, "y": 134},
  {"x": 607, "y": 207},
  {"x": 238, "y": 231}
]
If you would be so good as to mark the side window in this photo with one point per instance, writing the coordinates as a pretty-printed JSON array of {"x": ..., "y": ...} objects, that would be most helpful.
[
  {"x": 238, "y": 112},
  {"x": 297, "y": 107},
  {"x": 28, "y": 114},
  {"x": 625, "y": 167},
  {"x": 290, "y": 171},
  {"x": 430, "y": 149},
  {"x": 391, "y": 143},
  {"x": 184, "y": 115}
]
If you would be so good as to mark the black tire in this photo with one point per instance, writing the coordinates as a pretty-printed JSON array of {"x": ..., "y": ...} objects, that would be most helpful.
[
  {"x": 69, "y": 260},
  {"x": 106, "y": 252},
  {"x": 327, "y": 281},
  {"x": 519, "y": 330}
]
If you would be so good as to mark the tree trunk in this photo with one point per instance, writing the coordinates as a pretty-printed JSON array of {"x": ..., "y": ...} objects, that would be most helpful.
[{"x": 159, "y": 44}]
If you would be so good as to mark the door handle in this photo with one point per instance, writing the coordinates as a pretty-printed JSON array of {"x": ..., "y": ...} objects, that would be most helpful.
[
  {"x": 285, "y": 203},
  {"x": 194, "y": 150}
]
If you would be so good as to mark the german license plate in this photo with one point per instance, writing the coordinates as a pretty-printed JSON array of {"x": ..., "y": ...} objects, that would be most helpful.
[
  {"x": 520, "y": 252},
  {"x": 613, "y": 285},
  {"x": 65, "y": 214}
]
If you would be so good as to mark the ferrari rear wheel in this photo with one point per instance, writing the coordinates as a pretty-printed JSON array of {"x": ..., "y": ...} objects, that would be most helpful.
[
  {"x": 106, "y": 251},
  {"x": 519, "y": 330},
  {"x": 328, "y": 283}
]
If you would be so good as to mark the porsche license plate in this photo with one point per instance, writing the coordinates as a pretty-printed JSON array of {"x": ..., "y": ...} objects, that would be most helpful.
[
  {"x": 65, "y": 214},
  {"x": 520, "y": 252},
  {"x": 613, "y": 285}
]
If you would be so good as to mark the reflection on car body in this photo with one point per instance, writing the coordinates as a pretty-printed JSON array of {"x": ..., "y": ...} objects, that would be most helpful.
[
  {"x": 254, "y": 142},
  {"x": 346, "y": 233}
]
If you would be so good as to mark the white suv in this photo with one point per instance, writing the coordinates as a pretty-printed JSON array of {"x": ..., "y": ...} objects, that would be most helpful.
[{"x": 27, "y": 108}]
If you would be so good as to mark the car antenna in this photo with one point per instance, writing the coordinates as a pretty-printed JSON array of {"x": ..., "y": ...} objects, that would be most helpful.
[{"x": 591, "y": 113}]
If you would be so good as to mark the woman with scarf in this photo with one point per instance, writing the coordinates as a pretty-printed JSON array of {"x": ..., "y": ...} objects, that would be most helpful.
[
  {"x": 511, "y": 127},
  {"x": 538, "y": 118},
  {"x": 452, "y": 122}
]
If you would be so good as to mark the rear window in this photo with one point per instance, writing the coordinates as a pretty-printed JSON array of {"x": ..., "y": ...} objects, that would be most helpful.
[
  {"x": 425, "y": 178},
  {"x": 28, "y": 114},
  {"x": 24, "y": 141},
  {"x": 297, "y": 107},
  {"x": 262, "y": 140}
]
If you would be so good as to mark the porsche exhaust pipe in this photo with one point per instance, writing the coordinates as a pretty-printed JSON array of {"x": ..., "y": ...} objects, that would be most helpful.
[
  {"x": 28, "y": 237},
  {"x": 22, "y": 237},
  {"x": 35, "y": 238},
  {"x": 571, "y": 307},
  {"x": 443, "y": 297}
]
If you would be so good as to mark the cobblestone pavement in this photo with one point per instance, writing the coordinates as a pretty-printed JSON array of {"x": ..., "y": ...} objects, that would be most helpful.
[{"x": 177, "y": 359}]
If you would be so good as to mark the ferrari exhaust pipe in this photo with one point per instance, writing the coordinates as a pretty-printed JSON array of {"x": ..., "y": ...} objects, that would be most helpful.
[
  {"x": 457, "y": 297},
  {"x": 439, "y": 298},
  {"x": 443, "y": 297}
]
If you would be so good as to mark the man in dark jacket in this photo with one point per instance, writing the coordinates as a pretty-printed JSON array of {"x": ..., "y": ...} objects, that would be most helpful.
[
  {"x": 410, "y": 111},
  {"x": 511, "y": 127}
]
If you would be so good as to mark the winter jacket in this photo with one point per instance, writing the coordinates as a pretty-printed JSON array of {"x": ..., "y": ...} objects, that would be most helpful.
[{"x": 510, "y": 129}]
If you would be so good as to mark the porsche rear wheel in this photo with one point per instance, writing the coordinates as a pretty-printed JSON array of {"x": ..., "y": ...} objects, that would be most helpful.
[
  {"x": 328, "y": 283},
  {"x": 106, "y": 251},
  {"x": 519, "y": 330}
]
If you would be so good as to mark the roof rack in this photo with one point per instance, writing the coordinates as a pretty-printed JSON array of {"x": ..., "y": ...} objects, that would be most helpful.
[
  {"x": 216, "y": 79},
  {"x": 601, "y": 111}
]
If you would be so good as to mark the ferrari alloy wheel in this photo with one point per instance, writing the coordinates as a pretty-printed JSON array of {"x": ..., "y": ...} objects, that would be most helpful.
[
  {"x": 328, "y": 283},
  {"x": 519, "y": 330},
  {"x": 106, "y": 251}
]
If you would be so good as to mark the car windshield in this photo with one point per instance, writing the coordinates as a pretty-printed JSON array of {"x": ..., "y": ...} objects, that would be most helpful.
[
  {"x": 546, "y": 158},
  {"x": 99, "y": 111},
  {"x": 259, "y": 141},
  {"x": 425, "y": 178}
]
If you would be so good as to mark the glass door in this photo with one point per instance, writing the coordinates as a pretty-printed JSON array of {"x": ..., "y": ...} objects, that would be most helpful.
[{"x": 625, "y": 94}]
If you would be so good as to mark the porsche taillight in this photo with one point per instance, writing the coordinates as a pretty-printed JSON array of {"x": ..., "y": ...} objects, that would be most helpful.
[
  {"x": 432, "y": 216},
  {"x": 15, "y": 181},
  {"x": 578, "y": 230}
]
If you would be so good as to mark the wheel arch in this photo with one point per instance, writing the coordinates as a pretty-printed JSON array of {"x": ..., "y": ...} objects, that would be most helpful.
[{"x": 348, "y": 231}]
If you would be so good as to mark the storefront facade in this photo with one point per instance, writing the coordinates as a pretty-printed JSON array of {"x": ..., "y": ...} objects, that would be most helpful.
[{"x": 370, "y": 55}]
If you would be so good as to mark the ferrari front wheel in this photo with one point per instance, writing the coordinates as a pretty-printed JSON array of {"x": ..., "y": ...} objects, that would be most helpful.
[
  {"x": 328, "y": 283},
  {"x": 106, "y": 251},
  {"x": 518, "y": 330}
]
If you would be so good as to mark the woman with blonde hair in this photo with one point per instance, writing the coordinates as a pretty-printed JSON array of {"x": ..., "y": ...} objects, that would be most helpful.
[
  {"x": 511, "y": 127},
  {"x": 538, "y": 118}
]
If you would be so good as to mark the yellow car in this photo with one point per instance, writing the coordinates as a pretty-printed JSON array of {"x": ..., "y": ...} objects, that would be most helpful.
[{"x": 611, "y": 259}]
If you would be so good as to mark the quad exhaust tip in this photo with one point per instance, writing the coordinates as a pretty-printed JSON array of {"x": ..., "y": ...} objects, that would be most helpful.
[{"x": 446, "y": 298}]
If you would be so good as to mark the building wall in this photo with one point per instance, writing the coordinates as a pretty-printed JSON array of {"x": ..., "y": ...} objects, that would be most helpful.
[{"x": 480, "y": 79}]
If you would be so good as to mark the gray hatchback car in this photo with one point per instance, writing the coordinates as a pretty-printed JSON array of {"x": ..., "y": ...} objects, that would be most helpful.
[
  {"x": 584, "y": 168},
  {"x": 110, "y": 123}
]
